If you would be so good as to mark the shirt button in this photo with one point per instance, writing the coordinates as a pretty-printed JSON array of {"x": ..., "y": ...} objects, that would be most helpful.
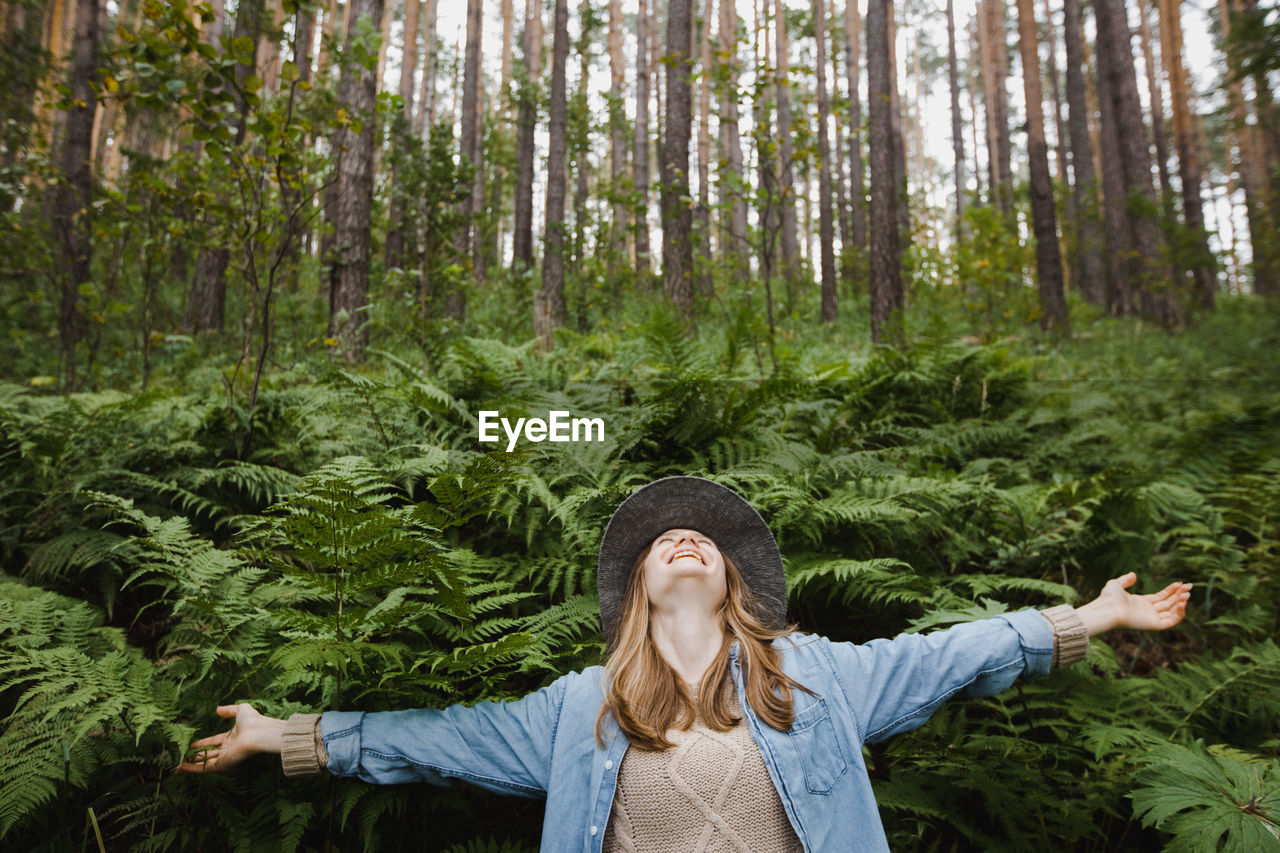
[
  {"x": 608, "y": 765},
  {"x": 594, "y": 830}
]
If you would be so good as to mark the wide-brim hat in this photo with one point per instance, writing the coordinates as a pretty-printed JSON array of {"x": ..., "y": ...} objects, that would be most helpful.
[{"x": 697, "y": 504}]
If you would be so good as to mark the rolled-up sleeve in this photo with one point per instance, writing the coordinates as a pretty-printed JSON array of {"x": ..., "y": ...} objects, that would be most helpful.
[
  {"x": 502, "y": 746},
  {"x": 896, "y": 685}
]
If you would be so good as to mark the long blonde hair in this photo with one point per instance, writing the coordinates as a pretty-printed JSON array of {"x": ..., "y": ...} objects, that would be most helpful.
[{"x": 647, "y": 697}]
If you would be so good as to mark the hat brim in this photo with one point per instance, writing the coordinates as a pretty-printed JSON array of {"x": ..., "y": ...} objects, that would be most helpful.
[{"x": 698, "y": 504}]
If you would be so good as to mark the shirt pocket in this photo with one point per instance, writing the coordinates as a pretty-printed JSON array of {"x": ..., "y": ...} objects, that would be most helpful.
[{"x": 813, "y": 737}]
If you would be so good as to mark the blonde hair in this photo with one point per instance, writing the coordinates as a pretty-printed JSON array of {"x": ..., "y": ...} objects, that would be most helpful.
[{"x": 647, "y": 697}]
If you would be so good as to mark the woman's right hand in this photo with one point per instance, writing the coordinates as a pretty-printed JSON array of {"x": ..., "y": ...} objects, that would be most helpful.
[{"x": 251, "y": 733}]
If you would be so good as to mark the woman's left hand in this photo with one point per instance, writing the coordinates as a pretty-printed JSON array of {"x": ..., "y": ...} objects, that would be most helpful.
[{"x": 1118, "y": 608}]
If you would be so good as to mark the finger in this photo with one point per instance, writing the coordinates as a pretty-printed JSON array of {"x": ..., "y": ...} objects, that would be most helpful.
[
  {"x": 215, "y": 740},
  {"x": 227, "y": 710}
]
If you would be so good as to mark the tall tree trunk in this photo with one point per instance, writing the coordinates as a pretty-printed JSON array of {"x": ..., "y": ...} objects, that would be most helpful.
[
  {"x": 826, "y": 228},
  {"x": 1252, "y": 171},
  {"x": 841, "y": 185},
  {"x": 901, "y": 209},
  {"x": 786, "y": 156},
  {"x": 617, "y": 147},
  {"x": 1084, "y": 187},
  {"x": 1188, "y": 158},
  {"x": 886, "y": 262},
  {"x": 702, "y": 211},
  {"x": 426, "y": 115},
  {"x": 1115, "y": 63},
  {"x": 469, "y": 152},
  {"x": 394, "y": 244},
  {"x": 1004, "y": 157},
  {"x": 734, "y": 206},
  {"x": 206, "y": 306},
  {"x": 1155, "y": 96},
  {"x": 349, "y": 277},
  {"x": 74, "y": 205},
  {"x": 1060, "y": 132},
  {"x": 957, "y": 127},
  {"x": 269, "y": 48},
  {"x": 526, "y": 123},
  {"x": 677, "y": 218},
  {"x": 766, "y": 163},
  {"x": 857, "y": 189},
  {"x": 974, "y": 86},
  {"x": 1043, "y": 219},
  {"x": 640, "y": 158},
  {"x": 548, "y": 303}
]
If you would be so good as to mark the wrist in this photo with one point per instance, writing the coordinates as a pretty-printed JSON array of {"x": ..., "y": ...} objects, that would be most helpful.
[
  {"x": 268, "y": 736},
  {"x": 1098, "y": 616}
]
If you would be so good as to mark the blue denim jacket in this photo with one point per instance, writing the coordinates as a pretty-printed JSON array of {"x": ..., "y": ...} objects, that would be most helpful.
[{"x": 544, "y": 744}]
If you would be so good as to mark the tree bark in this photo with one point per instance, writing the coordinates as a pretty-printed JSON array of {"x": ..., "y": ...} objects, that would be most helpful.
[
  {"x": 349, "y": 277},
  {"x": 886, "y": 263},
  {"x": 1185, "y": 140},
  {"x": 526, "y": 122},
  {"x": 733, "y": 206},
  {"x": 1084, "y": 186},
  {"x": 702, "y": 254},
  {"x": 640, "y": 158},
  {"x": 425, "y": 117},
  {"x": 74, "y": 205},
  {"x": 206, "y": 306},
  {"x": 826, "y": 227},
  {"x": 786, "y": 173},
  {"x": 1044, "y": 221},
  {"x": 617, "y": 145},
  {"x": 548, "y": 303},
  {"x": 677, "y": 217},
  {"x": 957, "y": 127},
  {"x": 394, "y": 244},
  {"x": 1115, "y": 63},
  {"x": 857, "y": 188},
  {"x": 469, "y": 152}
]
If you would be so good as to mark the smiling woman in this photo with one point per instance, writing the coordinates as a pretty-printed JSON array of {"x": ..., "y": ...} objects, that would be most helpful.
[{"x": 748, "y": 734}]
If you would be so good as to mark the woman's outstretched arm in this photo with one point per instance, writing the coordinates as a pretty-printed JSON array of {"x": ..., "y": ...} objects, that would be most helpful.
[{"x": 896, "y": 685}]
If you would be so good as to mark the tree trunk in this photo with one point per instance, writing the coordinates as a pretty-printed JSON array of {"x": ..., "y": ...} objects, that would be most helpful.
[
  {"x": 548, "y": 303},
  {"x": 640, "y": 158},
  {"x": 426, "y": 115},
  {"x": 206, "y": 306},
  {"x": 733, "y": 206},
  {"x": 526, "y": 122},
  {"x": 1060, "y": 132},
  {"x": 886, "y": 262},
  {"x": 73, "y": 209},
  {"x": 841, "y": 185},
  {"x": 1155, "y": 96},
  {"x": 857, "y": 189},
  {"x": 901, "y": 209},
  {"x": 617, "y": 146},
  {"x": 826, "y": 228},
  {"x": 349, "y": 277},
  {"x": 786, "y": 173},
  {"x": 677, "y": 218},
  {"x": 1115, "y": 64},
  {"x": 1044, "y": 222},
  {"x": 975, "y": 62},
  {"x": 957, "y": 127},
  {"x": 1188, "y": 158},
  {"x": 702, "y": 254},
  {"x": 1084, "y": 187},
  {"x": 394, "y": 244},
  {"x": 469, "y": 152},
  {"x": 1000, "y": 49}
]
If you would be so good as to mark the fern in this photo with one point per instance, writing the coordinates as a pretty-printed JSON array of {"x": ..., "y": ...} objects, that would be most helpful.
[{"x": 1211, "y": 798}]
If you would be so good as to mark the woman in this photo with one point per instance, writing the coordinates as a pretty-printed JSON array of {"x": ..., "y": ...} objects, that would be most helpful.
[{"x": 748, "y": 734}]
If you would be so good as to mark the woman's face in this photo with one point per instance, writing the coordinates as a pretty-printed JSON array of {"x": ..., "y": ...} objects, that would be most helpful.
[{"x": 684, "y": 564}]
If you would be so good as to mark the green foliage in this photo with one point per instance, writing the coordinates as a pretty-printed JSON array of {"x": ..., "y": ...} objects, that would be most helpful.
[
  {"x": 366, "y": 551},
  {"x": 1210, "y": 799}
]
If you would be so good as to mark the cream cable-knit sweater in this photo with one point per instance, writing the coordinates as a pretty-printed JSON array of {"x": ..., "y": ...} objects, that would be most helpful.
[{"x": 711, "y": 792}]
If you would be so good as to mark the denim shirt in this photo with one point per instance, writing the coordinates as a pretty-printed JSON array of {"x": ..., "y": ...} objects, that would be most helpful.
[{"x": 543, "y": 745}]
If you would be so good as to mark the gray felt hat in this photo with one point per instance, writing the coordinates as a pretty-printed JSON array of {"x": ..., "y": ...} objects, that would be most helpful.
[{"x": 698, "y": 504}]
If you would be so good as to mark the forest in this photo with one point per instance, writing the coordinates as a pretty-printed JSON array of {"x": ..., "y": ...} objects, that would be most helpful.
[{"x": 975, "y": 302}]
